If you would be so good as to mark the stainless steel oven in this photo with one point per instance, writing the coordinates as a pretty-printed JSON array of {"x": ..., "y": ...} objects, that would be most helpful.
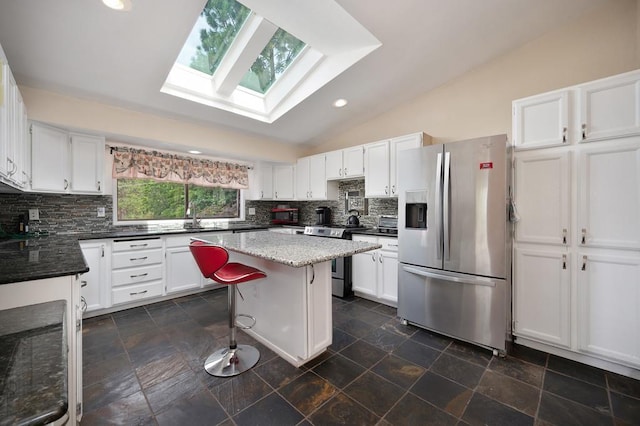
[{"x": 341, "y": 266}]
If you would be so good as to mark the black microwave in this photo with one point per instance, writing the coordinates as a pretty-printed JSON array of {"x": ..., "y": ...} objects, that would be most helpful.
[{"x": 284, "y": 216}]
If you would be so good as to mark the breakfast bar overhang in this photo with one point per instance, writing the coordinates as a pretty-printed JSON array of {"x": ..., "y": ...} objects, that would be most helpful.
[{"x": 292, "y": 305}]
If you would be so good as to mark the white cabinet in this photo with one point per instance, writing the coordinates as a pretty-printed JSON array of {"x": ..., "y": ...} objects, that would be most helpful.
[
  {"x": 65, "y": 163},
  {"x": 273, "y": 182},
  {"x": 375, "y": 273},
  {"x": 283, "y": 182},
  {"x": 136, "y": 270},
  {"x": 94, "y": 286},
  {"x": 311, "y": 182},
  {"x": 13, "y": 129},
  {"x": 541, "y": 294},
  {"x": 610, "y": 107},
  {"x": 609, "y": 305},
  {"x": 380, "y": 168},
  {"x": 543, "y": 196},
  {"x": 541, "y": 120},
  {"x": 182, "y": 272},
  {"x": 345, "y": 163},
  {"x": 609, "y": 196}
]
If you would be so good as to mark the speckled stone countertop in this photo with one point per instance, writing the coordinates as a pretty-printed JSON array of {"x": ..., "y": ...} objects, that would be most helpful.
[
  {"x": 33, "y": 364},
  {"x": 291, "y": 250},
  {"x": 40, "y": 258}
]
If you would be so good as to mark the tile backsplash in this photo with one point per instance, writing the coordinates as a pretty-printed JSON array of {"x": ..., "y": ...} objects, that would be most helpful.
[{"x": 78, "y": 213}]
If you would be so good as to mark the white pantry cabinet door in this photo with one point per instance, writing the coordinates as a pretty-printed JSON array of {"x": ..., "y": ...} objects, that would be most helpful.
[
  {"x": 87, "y": 158},
  {"x": 333, "y": 168},
  {"x": 376, "y": 168},
  {"x": 396, "y": 145},
  {"x": 283, "y": 182},
  {"x": 49, "y": 159},
  {"x": 543, "y": 196},
  {"x": 353, "y": 161},
  {"x": 609, "y": 196},
  {"x": 542, "y": 295},
  {"x": 541, "y": 121},
  {"x": 4, "y": 118},
  {"x": 609, "y": 306},
  {"x": 610, "y": 107}
]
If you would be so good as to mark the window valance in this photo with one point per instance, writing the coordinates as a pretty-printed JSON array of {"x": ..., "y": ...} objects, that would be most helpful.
[{"x": 135, "y": 163}]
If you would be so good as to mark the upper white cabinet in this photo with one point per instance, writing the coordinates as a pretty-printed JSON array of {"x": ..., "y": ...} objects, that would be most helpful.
[
  {"x": 380, "y": 168},
  {"x": 284, "y": 182},
  {"x": 65, "y": 163},
  {"x": 311, "y": 180},
  {"x": 603, "y": 109},
  {"x": 609, "y": 197},
  {"x": 541, "y": 121},
  {"x": 345, "y": 163},
  {"x": 610, "y": 107},
  {"x": 543, "y": 197},
  {"x": 13, "y": 129}
]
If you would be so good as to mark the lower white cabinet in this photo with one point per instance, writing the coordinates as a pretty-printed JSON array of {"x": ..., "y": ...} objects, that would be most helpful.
[
  {"x": 541, "y": 294},
  {"x": 93, "y": 284},
  {"x": 609, "y": 305},
  {"x": 182, "y": 272},
  {"x": 136, "y": 270},
  {"x": 375, "y": 273}
]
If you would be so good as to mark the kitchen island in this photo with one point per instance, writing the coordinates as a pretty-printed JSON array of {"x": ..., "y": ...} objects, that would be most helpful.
[{"x": 292, "y": 305}]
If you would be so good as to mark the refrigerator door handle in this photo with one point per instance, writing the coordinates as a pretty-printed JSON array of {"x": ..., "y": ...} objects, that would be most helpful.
[
  {"x": 438, "y": 206},
  {"x": 473, "y": 281},
  {"x": 445, "y": 205}
]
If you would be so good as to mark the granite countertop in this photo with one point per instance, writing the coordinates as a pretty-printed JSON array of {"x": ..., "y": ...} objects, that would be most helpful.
[
  {"x": 33, "y": 364},
  {"x": 36, "y": 258},
  {"x": 291, "y": 250}
]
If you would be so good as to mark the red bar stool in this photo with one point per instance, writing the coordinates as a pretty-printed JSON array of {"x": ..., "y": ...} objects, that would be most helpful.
[{"x": 213, "y": 262}]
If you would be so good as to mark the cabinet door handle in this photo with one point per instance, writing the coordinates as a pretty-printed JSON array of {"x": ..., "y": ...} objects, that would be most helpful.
[
  {"x": 83, "y": 304},
  {"x": 584, "y": 263},
  {"x": 99, "y": 186},
  {"x": 393, "y": 189},
  {"x": 139, "y": 275},
  {"x": 564, "y": 261},
  {"x": 339, "y": 172},
  {"x": 83, "y": 283},
  {"x": 345, "y": 171},
  {"x": 66, "y": 184},
  {"x": 584, "y": 236},
  {"x": 564, "y": 236},
  {"x": 380, "y": 258},
  {"x": 373, "y": 257},
  {"x": 133, "y": 259},
  {"x": 261, "y": 194},
  {"x": 276, "y": 194},
  {"x": 386, "y": 189},
  {"x": 564, "y": 134},
  {"x": 138, "y": 292},
  {"x": 584, "y": 132}
]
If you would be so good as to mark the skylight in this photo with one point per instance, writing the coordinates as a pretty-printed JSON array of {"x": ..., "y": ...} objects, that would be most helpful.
[{"x": 260, "y": 58}]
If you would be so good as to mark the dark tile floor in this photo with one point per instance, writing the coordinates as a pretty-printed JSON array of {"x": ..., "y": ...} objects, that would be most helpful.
[{"x": 144, "y": 366}]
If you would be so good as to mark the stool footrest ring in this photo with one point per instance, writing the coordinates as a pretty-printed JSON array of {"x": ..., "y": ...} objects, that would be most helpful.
[{"x": 246, "y": 327}]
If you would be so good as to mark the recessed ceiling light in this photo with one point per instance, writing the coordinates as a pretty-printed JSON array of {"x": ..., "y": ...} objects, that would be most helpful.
[
  {"x": 340, "y": 103},
  {"x": 194, "y": 152},
  {"x": 123, "y": 5}
]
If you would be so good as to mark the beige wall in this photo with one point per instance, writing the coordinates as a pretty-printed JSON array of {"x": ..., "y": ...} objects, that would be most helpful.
[
  {"x": 143, "y": 128},
  {"x": 599, "y": 44}
]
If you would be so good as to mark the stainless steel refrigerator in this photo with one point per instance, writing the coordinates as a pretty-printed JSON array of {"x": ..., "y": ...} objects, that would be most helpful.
[{"x": 454, "y": 239}]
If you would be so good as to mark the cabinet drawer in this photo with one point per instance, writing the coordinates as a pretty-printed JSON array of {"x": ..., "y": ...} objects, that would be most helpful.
[
  {"x": 137, "y": 258},
  {"x": 130, "y": 245},
  {"x": 388, "y": 244},
  {"x": 132, "y": 293},
  {"x": 136, "y": 275}
]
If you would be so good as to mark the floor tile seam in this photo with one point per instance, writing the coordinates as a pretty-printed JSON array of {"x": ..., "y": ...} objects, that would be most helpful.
[
  {"x": 347, "y": 358},
  {"x": 466, "y": 360},
  {"x": 429, "y": 346},
  {"x": 578, "y": 403},
  {"x": 475, "y": 390},
  {"x": 340, "y": 391},
  {"x": 578, "y": 379},
  {"x": 516, "y": 379},
  {"x": 408, "y": 391}
]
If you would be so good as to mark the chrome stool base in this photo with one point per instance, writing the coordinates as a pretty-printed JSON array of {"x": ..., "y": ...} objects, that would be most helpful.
[{"x": 227, "y": 362}]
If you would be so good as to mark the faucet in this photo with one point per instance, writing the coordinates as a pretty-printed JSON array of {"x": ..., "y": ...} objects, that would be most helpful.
[{"x": 191, "y": 210}]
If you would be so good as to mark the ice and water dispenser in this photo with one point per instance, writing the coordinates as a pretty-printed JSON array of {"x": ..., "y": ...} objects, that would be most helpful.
[{"x": 416, "y": 209}]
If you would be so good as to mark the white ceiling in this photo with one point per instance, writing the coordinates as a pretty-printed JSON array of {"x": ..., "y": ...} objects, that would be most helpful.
[{"x": 83, "y": 49}]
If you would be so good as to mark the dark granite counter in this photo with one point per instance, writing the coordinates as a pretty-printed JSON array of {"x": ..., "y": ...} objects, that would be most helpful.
[
  {"x": 233, "y": 227},
  {"x": 33, "y": 364},
  {"x": 40, "y": 258}
]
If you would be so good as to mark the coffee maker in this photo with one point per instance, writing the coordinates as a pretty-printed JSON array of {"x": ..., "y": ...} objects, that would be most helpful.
[{"x": 323, "y": 216}]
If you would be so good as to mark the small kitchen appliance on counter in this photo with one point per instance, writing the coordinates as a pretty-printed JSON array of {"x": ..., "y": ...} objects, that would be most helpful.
[
  {"x": 388, "y": 224},
  {"x": 283, "y": 215},
  {"x": 353, "y": 221},
  {"x": 323, "y": 216}
]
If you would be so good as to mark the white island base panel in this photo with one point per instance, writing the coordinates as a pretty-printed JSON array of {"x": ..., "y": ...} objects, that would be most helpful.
[{"x": 292, "y": 308}]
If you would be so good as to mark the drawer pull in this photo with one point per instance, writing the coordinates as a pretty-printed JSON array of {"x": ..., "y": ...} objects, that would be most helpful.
[
  {"x": 133, "y": 259},
  {"x": 138, "y": 245},
  {"x": 139, "y": 275},
  {"x": 392, "y": 245},
  {"x": 138, "y": 292},
  {"x": 83, "y": 283}
]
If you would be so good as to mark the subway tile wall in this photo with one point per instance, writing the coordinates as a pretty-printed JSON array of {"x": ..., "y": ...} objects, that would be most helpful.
[{"x": 78, "y": 213}]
